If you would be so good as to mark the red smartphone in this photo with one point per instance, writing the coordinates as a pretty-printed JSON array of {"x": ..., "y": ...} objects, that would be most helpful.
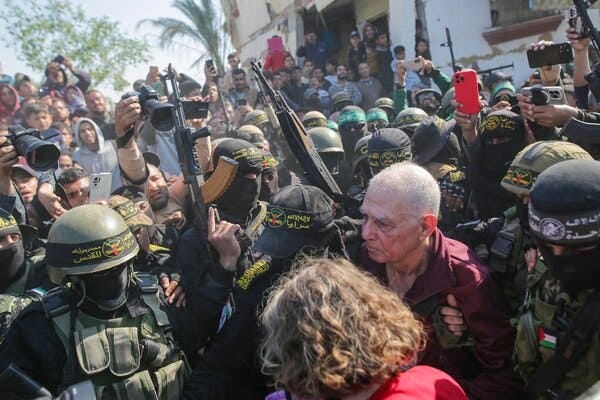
[{"x": 466, "y": 91}]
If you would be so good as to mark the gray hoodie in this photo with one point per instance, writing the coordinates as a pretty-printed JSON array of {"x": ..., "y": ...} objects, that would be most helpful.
[{"x": 103, "y": 160}]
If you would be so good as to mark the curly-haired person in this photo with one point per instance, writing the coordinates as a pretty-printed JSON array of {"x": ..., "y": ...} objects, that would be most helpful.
[{"x": 333, "y": 332}]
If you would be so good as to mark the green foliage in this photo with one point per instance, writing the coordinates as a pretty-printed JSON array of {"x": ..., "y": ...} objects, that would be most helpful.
[
  {"x": 40, "y": 30},
  {"x": 203, "y": 24}
]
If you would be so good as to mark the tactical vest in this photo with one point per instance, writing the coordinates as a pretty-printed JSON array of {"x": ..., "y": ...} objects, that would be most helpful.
[
  {"x": 132, "y": 357},
  {"x": 507, "y": 259},
  {"x": 540, "y": 328}
]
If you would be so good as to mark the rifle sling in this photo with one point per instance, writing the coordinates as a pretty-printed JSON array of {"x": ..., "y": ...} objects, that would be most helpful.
[{"x": 570, "y": 348}]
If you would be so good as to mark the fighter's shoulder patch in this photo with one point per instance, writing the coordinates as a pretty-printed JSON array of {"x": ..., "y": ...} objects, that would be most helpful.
[{"x": 256, "y": 270}]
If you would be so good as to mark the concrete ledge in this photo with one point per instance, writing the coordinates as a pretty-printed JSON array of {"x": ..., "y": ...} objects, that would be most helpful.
[{"x": 523, "y": 29}]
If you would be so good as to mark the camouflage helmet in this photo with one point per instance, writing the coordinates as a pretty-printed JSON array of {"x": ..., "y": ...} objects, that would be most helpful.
[
  {"x": 361, "y": 151},
  {"x": 352, "y": 115},
  {"x": 333, "y": 125},
  {"x": 376, "y": 114},
  {"x": 385, "y": 103},
  {"x": 88, "y": 239},
  {"x": 535, "y": 159},
  {"x": 446, "y": 108},
  {"x": 326, "y": 140},
  {"x": 256, "y": 118},
  {"x": 341, "y": 99},
  {"x": 408, "y": 119},
  {"x": 252, "y": 134},
  {"x": 313, "y": 119}
]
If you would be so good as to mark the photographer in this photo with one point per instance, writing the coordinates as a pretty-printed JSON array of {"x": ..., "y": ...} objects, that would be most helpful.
[
  {"x": 167, "y": 201},
  {"x": 56, "y": 77}
]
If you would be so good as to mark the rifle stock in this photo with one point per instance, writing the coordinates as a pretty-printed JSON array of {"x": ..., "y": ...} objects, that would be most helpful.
[{"x": 300, "y": 142}]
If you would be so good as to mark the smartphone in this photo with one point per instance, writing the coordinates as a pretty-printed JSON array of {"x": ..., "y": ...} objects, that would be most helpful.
[
  {"x": 241, "y": 102},
  {"x": 466, "y": 91},
  {"x": 209, "y": 63},
  {"x": 59, "y": 59},
  {"x": 195, "y": 109},
  {"x": 414, "y": 65},
  {"x": 560, "y": 53},
  {"x": 545, "y": 95},
  {"x": 100, "y": 185}
]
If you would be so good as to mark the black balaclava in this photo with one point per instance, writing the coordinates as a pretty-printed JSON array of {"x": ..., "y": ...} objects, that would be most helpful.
[
  {"x": 107, "y": 290},
  {"x": 386, "y": 147},
  {"x": 12, "y": 257},
  {"x": 352, "y": 124},
  {"x": 577, "y": 270},
  {"x": 242, "y": 195},
  {"x": 12, "y": 264},
  {"x": 502, "y": 137}
]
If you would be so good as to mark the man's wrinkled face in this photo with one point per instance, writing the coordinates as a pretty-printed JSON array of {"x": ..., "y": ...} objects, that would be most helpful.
[
  {"x": 26, "y": 185},
  {"x": 158, "y": 191},
  {"x": 239, "y": 81},
  {"x": 78, "y": 192},
  {"x": 389, "y": 228},
  {"x": 96, "y": 103},
  {"x": 60, "y": 111},
  {"x": 341, "y": 72}
]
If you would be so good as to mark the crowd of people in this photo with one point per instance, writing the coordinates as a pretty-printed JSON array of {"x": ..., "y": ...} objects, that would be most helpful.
[{"x": 459, "y": 263}]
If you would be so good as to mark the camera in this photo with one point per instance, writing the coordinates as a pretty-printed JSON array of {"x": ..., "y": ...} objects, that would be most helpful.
[
  {"x": 29, "y": 143},
  {"x": 162, "y": 115}
]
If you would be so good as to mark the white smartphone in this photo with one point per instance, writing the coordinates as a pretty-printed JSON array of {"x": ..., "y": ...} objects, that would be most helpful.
[{"x": 100, "y": 185}]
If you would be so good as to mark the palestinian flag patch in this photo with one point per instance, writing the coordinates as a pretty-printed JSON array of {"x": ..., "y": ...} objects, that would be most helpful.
[{"x": 546, "y": 339}]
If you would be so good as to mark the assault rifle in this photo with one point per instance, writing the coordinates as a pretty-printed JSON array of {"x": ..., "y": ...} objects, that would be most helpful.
[
  {"x": 450, "y": 45},
  {"x": 490, "y": 70},
  {"x": 300, "y": 142},
  {"x": 185, "y": 142}
]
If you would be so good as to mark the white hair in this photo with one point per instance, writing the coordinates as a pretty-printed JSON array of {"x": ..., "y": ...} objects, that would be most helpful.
[{"x": 411, "y": 185}]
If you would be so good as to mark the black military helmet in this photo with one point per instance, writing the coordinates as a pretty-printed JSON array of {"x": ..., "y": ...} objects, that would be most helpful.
[{"x": 564, "y": 207}]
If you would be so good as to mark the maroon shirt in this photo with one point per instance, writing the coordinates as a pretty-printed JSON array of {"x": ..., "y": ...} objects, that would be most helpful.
[{"x": 484, "y": 370}]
